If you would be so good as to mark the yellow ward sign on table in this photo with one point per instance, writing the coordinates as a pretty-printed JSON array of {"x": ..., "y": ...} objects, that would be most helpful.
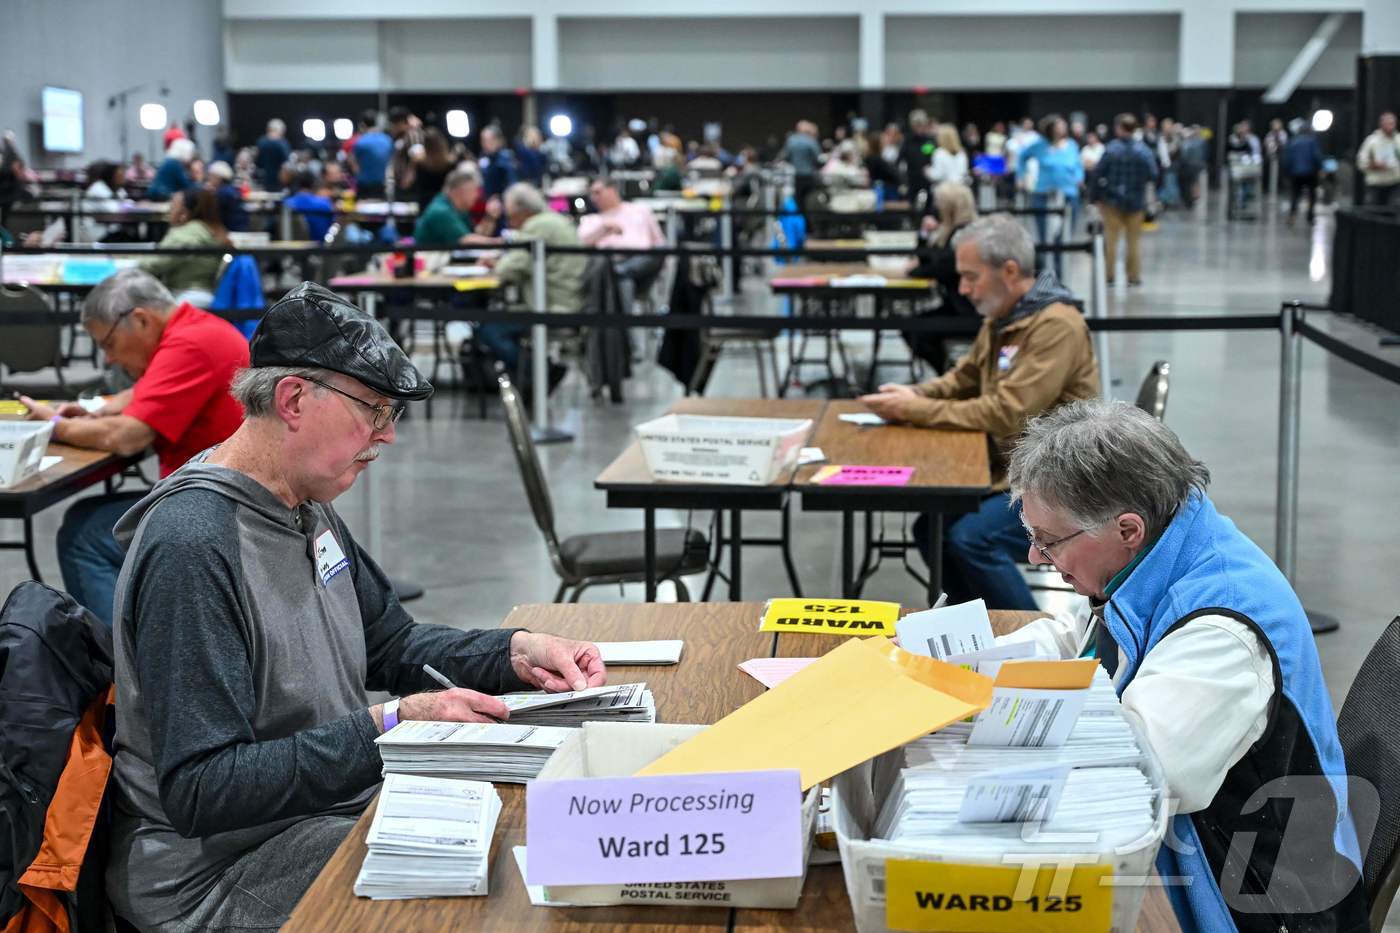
[
  {"x": 952, "y": 898},
  {"x": 830, "y": 616}
]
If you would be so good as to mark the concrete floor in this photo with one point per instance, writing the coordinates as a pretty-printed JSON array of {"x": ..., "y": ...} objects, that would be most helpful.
[{"x": 455, "y": 519}]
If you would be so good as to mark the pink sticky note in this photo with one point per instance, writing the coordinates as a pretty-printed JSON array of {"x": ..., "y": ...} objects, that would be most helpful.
[
  {"x": 683, "y": 827},
  {"x": 870, "y": 476},
  {"x": 772, "y": 671}
]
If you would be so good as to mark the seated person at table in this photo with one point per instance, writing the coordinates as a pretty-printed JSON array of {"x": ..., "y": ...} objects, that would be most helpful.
[
  {"x": 230, "y": 200},
  {"x": 618, "y": 224},
  {"x": 313, "y": 202},
  {"x": 1032, "y": 354},
  {"x": 194, "y": 223},
  {"x": 183, "y": 360},
  {"x": 104, "y": 193},
  {"x": 173, "y": 175},
  {"x": 936, "y": 260},
  {"x": 1213, "y": 658},
  {"x": 531, "y": 219},
  {"x": 447, "y": 221},
  {"x": 250, "y": 626}
]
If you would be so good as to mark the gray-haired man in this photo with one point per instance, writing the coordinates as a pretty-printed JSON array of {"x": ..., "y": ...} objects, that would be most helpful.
[
  {"x": 250, "y": 626},
  {"x": 1032, "y": 354},
  {"x": 529, "y": 215},
  {"x": 183, "y": 360}
]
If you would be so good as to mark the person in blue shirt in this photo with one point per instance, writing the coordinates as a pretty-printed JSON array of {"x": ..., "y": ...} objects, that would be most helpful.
[
  {"x": 313, "y": 202},
  {"x": 498, "y": 168},
  {"x": 529, "y": 155},
  {"x": 172, "y": 175},
  {"x": 369, "y": 159},
  {"x": 1120, "y": 190},
  {"x": 272, "y": 153},
  {"x": 1302, "y": 161},
  {"x": 1059, "y": 168}
]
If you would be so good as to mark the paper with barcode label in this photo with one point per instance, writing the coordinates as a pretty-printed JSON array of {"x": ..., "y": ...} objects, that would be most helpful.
[
  {"x": 1013, "y": 795},
  {"x": 988, "y": 661},
  {"x": 1021, "y": 717},
  {"x": 951, "y": 630}
]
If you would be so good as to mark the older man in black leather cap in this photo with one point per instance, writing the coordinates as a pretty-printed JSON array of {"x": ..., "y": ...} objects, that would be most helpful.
[{"x": 250, "y": 625}]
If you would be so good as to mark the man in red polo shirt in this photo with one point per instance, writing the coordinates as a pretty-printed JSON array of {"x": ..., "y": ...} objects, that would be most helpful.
[{"x": 183, "y": 360}]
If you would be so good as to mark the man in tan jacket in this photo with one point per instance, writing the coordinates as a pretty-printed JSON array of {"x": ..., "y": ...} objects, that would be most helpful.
[{"x": 1032, "y": 355}]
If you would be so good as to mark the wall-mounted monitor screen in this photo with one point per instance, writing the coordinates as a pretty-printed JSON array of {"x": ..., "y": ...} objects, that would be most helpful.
[{"x": 63, "y": 120}]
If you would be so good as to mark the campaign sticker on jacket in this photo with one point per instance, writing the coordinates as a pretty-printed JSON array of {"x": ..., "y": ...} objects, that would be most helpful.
[
  {"x": 1006, "y": 357},
  {"x": 330, "y": 559}
]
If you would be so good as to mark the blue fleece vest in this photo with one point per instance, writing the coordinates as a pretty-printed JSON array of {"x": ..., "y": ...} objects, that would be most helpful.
[{"x": 1203, "y": 565}]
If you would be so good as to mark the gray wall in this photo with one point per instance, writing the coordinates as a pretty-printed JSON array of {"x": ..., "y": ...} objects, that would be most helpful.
[
  {"x": 1017, "y": 52},
  {"x": 1265, "y": 44},
  {"x": 102, "y": 47}
]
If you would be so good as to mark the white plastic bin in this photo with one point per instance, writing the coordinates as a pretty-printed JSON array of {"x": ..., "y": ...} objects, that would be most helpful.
[
  {"x": 721, "y": 450},
  {"x": 858, "y": 794},
  {"x": 22, "y": 448}
]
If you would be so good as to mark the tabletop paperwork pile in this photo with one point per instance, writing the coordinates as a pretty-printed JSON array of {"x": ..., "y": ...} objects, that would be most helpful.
[{"x": 431, "y": 837}]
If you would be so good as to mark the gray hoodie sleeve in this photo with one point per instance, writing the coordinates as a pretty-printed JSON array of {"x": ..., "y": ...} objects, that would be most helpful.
[{"x": 396, "y": 647}]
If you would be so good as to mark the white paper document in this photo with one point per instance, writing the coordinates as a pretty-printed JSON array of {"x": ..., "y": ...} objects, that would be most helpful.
[
  {"x": 430, "y": 837},
  {"x": 47, "y": 461},
  {"x": 1013, "y": 795},
  {"x": 951, "y": 630},
  {"x": 482, "y": 751},
  {"x": 667, "y": 651},
  {"x": 862, "y": 418},
  {"x": 810, "y": 455},
  {"x": 1023, "y": 717},
  {"x": 616, "y": 703}
]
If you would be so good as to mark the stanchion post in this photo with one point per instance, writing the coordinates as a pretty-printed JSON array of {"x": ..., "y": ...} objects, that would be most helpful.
[
  {"x": 1100, "y": 310},
  {"x": 285, "y": 220},
  {"x": 1273, "y": 178},
  {"x": 1290, "y": 370},
  {"x": 726, "y": 243},
  {"x": 1289, "y": 420},
  {"x": 539, "y": 354},
  {"x": 1225, "y": 192}
]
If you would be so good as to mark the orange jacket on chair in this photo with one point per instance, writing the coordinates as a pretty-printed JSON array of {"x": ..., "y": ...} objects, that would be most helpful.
[{"x": 68, "y": 826}]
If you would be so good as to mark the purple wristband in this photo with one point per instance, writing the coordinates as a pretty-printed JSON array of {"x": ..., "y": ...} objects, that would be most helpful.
[
  {"x": 55, "y": 419},
  {"x": 391, "y": 714}
]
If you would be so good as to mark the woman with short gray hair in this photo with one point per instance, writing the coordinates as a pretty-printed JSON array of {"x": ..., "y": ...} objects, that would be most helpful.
[{"x": 1209, "y": 650}]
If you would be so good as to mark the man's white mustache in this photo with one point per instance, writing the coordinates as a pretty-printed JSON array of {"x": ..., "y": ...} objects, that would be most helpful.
[{"x": 369, "y": 453}]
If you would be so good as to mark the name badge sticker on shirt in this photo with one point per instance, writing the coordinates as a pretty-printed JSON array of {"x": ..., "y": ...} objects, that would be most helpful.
[
  {"x": 330, "y": 559},
  {"x": 1006, "y": 357}
]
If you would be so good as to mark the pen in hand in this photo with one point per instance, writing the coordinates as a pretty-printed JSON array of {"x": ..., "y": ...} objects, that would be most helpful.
[{"x": 449, "y": 685}]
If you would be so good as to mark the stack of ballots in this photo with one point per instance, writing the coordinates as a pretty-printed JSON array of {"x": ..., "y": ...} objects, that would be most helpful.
[
  {"x": 1089, "y": 794},
  {"x": 430, "y": 837},
  {"x": 618, "y": 703},
  {"x": 1054, "y": 749},
  {"x": 479, "y": 751}
]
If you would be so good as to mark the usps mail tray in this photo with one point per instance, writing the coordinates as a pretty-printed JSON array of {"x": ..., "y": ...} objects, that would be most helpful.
[
  {"x": 612, "y": 749},
  {"x": 722, "y": 450}
]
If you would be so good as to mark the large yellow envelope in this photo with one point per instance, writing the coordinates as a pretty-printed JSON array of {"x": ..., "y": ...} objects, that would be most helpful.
[
  {"x": 1048, "y": 675},
  {"x": 859, "y": 700}
]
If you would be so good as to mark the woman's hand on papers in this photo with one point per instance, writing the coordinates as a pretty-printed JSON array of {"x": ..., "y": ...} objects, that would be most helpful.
[
  {"x": 556, "y": 664},
  {"x": 456, "y": 705}
]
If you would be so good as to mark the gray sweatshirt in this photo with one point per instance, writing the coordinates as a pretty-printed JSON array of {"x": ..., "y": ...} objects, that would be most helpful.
[{"x": 246, "y": 636}]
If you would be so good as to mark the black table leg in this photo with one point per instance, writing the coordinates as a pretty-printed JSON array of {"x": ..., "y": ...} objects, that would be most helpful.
[
  {"x": 736, "y": 546},
  {"x": 649, "y": 533},
  {"x": 29, "y": 549},
  {"x": 848, "y": 557},
  {"x": 935, "y": 556},
  {"x": 719, "y": 554},
  {"x": 787, "y": 550}
]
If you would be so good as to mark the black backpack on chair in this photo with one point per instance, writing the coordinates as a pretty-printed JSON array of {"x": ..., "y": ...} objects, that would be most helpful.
[{"x": 55, "y": 660}]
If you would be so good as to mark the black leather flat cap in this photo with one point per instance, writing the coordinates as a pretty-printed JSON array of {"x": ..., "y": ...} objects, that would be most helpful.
[{"x": 313, "y": 326}]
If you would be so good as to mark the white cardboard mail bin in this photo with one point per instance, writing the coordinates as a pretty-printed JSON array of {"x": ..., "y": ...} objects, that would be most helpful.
[
  {"x": 22, "y": 448},
  {"x": 721, "y": 450},
  {"x": 891, "y": 239},
  {"x": 856, "y": 799},
  {"x": 615, "y": 749}
]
